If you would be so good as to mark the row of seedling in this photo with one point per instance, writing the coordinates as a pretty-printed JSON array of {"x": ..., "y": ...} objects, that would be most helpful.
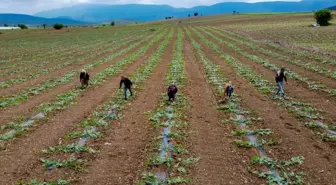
[
  {"x": 65, "y": 55},
  {"x": 302, "y": 110},
  {"x": 319, "y": 86},
  {"x": 276, "y": 172},
  {"x": 307, "y": 65},
  {"x": 78, "y": 152},
  {"x": 24, "y": 95},
  {"x": 55, "y": 49},
  {"x": 65, "y": 100},
  {"x": 300, "y": 53},
  {"x": 169, "y": 164}
]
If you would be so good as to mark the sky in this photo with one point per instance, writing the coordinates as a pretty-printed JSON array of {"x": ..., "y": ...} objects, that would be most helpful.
[{"x": 34, "y": 6}]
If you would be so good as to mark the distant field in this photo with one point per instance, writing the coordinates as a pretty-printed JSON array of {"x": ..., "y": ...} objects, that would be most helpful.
[{"x": 52, "y": 131}]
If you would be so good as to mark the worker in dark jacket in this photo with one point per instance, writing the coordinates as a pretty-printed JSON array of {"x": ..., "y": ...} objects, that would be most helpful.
[
  {"x": 279, "y": 78},
  {"x": 172, "y": 90},
  {"x": 127, "y": 85},
  {"x": 84, "y": 78}
]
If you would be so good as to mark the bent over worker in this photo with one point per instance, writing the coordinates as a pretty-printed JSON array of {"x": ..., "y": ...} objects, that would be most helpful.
[
  {"x": 228, "y": 89},
  {"x": 127, "y": 85},
  {"x": 84, "y": 78},
  {"x": 172, "y": 90}
]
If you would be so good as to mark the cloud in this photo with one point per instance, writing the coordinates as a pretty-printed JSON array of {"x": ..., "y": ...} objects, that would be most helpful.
[{"x": 34, "y": 6}]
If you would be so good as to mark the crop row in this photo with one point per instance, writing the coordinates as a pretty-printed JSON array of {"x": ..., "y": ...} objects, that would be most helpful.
[
  {"x": 307, "y": 65},
  {"x": 319, "y": 86},
  {"x": 278, "y": 171},
  {"x": 169, "y": 165},
  {"x": 99, "y": 120},
  {"x": 302, "y": 110},
  {"x": 24, "y": 95},
  {"x": 38, "y": 62},
  {"x": 65, "y": 100},
  {"x": 92, "y": 55},
  {"x": 55, "y": 45},
  {"x": 299, "y": 53}
]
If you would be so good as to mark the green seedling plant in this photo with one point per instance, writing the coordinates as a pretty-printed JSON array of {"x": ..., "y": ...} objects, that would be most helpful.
[
  {"x": 37, "y": 182},
  {"x": 72, "y": 162},
  {"x": 244, "y": 144},
  {"x": 288, "y": 175},
  {"x": 71, "y": 148}
]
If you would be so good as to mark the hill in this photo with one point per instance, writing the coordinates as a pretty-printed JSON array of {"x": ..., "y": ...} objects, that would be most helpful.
[
  {"x": 13, "y": 19},
  {"x": 139, "y": 12},
  {"x": 332, "y": 8}
]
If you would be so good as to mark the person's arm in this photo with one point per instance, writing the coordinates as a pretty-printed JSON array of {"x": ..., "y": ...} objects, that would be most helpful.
[
  {"x": 121, "y": 81},
  {"x": 176, "y": 89}
]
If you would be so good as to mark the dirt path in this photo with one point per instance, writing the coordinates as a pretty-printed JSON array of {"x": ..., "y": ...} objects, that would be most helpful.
[
  {"x": 219, "y": 162},
  {"x": 26, "y": 108},
  {"x": 297, "y": 140},
  {"x": 294, "y": 89},
  {"x": 19, "y": 159},
  {"x": 59, "y": 72},
  {"x": 122, "y": 161}
]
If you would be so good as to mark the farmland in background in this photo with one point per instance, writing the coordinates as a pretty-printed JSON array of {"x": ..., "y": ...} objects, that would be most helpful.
[{"x": 52, "y": 131}]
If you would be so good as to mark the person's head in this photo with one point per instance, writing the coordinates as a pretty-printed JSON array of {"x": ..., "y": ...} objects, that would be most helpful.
[
  {"x": 282, "y": 69},
  {"x": 230, "y": 82},
  {"x": 122, "y": 77},
  {"x": 83, "y": 71}
]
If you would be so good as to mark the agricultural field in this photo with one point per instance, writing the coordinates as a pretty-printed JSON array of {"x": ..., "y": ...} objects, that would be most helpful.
[{"x": 54, "y": 132}]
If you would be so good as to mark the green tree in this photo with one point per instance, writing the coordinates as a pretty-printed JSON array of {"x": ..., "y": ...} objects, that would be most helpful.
[
  {"x": 195, "y": 14},
  {"x": 112, "y": 23},
  {"x": 323, "y": 17},
  {"x": 22, "y": 26},
  {"x": 58, "y": 26},
  {"x": 44, "y": 26},
  {"x": 5, "y": 25}
]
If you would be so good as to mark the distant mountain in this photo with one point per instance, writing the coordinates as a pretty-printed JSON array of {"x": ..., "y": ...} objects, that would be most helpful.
[
  {"x": 139, "y": 12},
  {"x": 332, "y": 8},
  {"x": 14, "y": 19}
]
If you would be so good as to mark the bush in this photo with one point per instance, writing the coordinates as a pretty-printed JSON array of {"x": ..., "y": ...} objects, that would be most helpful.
[
  {"x": 195, "y": 14},
  {"x": 323, "y": 17},
  {"x": 22, "y": 26},
  {"x": 58, "y": 26},
  {"x": 112, "y": 23},
  {"x": 5, "y": 25}
]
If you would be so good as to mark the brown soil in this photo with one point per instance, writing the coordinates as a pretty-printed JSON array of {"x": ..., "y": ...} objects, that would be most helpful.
[
  {"x": 122, "y": 161},
  {"x": 19, "y": 160},
  {"x": 274, "y": 49},
  {"x": 27, "y": 107},
  {"x": 297, "y": 140},
  {"x": 294, "y": 89},
  {"x": 57, "y": 73},
  {"x": 220, "y": 163},
  {"x": 328, "y": 81}
]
